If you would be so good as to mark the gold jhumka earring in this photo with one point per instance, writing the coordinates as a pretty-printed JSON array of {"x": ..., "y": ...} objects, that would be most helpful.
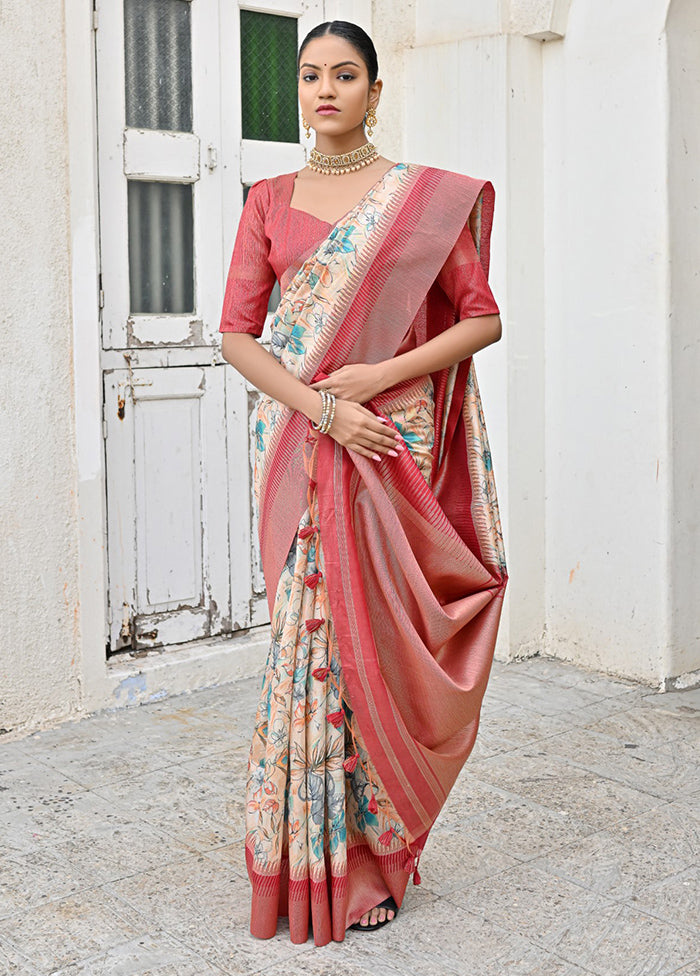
[
  {"x": 306, "y": 126},
  {"x": 370, "y": 121}
]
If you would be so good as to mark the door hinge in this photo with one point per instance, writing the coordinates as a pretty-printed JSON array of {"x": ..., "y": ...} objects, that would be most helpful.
[
  {"x": 104, "y": 428},
  {"x": 101, "y": 294},
  {"x": 95, "y": 18},
  {"x": 109, "y": 614}
]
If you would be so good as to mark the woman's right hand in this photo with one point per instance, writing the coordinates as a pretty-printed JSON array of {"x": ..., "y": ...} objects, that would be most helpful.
[
  {"x": 353, "y": 425},
  {"x": 358, "y": 429}
]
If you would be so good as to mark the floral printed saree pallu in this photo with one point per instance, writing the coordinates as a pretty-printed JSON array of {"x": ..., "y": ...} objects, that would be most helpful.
[{"x": 385, "y": 580}]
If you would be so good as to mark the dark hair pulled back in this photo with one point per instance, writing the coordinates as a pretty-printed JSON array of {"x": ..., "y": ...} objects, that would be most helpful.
[{"x": 351, "y": 33}]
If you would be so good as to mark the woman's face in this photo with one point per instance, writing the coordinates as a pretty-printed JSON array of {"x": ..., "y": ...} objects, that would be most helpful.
[{"x": 334, "y": 88}]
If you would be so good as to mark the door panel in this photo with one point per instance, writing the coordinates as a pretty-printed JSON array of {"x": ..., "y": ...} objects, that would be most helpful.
[
  {"x": 148, "y": 136},
  {"x": 160, "y": 155},
  {"x": 183, "y": 554},
  {"x": 167, "y": 500}
]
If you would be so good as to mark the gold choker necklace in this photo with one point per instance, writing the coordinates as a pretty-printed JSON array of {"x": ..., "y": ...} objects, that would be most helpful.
[{"x": 345, "y": 162}]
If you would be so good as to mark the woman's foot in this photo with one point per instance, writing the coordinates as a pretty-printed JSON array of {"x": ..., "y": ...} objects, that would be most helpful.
[{"x": 378, "y": 916}]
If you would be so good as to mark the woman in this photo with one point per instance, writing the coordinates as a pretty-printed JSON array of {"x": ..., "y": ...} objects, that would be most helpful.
[{"x": 379, "y": 525}]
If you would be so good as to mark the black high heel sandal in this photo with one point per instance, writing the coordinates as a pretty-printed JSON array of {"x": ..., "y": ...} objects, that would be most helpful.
[{"x": 390, "y": 905}]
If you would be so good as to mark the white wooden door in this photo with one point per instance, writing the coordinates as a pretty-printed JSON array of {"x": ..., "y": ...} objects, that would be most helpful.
[
  {"x": 174, "y": 163},
  {"x": 160, "y": 137},
  {"x": 255, "y": 159},
  {"x": 169, "y": 570}
]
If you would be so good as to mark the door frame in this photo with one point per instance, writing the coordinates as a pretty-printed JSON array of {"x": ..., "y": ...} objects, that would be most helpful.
[{"x": 118, "y": 682}]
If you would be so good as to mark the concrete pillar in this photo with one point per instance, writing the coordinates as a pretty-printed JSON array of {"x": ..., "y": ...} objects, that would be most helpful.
[{"x": 682, "y": 649}]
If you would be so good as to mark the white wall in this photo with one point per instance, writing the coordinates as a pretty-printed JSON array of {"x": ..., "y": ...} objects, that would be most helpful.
[
  {"x": 39, "y": 578},
  {"x": 446, "y": 20},
  {"x": 393, "y": 32},
  {"x": 52, "y": 490},
  {"x": 590, "y": 397},
  {"x": 608, "y": 477},
  {"x": 475, "y": 107}
]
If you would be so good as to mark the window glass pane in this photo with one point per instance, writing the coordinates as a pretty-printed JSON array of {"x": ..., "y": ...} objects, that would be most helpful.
[
  {"x": 161, "y": 258},
  {"x": 158, "y": 64},
  {"x": 269, "y": 77}
]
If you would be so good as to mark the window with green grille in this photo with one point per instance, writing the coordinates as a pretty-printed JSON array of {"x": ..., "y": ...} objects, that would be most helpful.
[{"x": 269, "y": 77}]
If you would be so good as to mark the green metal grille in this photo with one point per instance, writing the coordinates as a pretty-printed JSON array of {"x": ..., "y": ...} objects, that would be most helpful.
[{"x": 269, "y": 77}]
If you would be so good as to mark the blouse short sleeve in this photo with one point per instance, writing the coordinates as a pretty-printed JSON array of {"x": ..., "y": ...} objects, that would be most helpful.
[
  {"x": 464, "y": 281},
  {"x": 251, "y": 276}
]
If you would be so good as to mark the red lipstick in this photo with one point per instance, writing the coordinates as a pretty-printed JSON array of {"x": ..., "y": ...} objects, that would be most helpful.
[{"x": 327, "y": 110}]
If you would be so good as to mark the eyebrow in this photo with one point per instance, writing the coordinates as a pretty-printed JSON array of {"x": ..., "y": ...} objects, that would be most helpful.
[{"x": 333, "y": 68}]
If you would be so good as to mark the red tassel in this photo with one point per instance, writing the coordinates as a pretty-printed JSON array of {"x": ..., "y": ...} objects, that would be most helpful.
[
  {"x": 408, "y": 865},
  {"x": 321, "y": 673},
  {"x": 336, "y": 718},
  {"x": 314, "y": 624},
  {"x": 372, "y": 805},
  {"x": 385, "y": 838},
  {"x": 312, "y": 485},
  {"x": 312, "y": 580},
  {"x": 307, "y": 531},
  {"x": 350, "y": 763},
  {"x": 416, "y": 877}
]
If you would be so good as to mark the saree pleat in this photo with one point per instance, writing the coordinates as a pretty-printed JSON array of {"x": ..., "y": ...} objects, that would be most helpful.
[
  {"x": 324, "y": 843},
  {"x": 384, "y": 610}
]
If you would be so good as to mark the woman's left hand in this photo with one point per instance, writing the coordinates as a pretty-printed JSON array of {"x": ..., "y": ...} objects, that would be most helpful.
[{"x": 358, "y": 382}]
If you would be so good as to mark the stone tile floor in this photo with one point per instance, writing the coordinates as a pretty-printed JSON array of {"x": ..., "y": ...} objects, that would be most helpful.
[{"x": 569, "y": 846}]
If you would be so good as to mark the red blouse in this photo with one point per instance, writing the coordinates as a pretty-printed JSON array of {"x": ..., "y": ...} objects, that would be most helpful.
[{"x": 274, "y": 240}]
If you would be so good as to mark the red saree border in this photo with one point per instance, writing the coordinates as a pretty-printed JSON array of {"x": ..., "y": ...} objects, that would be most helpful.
[
  {"x": 372, "y": 314},
  {"x": 319, "y": 902},
  {"x": 283, "y": 497},
  {"x": 416, "y": 778}
]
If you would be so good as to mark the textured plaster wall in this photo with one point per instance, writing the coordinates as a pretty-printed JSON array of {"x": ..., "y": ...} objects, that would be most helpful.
[
  {"x": 449, "y": 20},
  {"x": 393, "y": 32},
  {"x": 39, "y": 663}
]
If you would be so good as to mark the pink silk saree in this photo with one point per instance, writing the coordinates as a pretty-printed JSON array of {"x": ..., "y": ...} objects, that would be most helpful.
[{"x": 385, "y": 580}]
